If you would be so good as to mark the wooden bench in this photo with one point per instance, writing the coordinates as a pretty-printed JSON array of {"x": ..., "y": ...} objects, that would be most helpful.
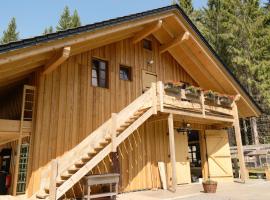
[{"x": 102, "y": 179}]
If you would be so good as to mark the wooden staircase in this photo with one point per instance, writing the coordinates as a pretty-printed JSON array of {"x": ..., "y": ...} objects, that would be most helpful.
[{"x": 78, "y": 162}]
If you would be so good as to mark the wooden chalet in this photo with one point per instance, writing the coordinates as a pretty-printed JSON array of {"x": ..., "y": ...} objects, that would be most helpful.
[{"x": 119, "y": 96}]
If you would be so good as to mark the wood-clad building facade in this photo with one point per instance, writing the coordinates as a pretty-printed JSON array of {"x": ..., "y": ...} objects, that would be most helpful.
[{"x": 97, "y": 104}]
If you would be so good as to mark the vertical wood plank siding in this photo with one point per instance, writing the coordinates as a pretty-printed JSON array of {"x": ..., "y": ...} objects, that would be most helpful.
[{"x": 69, "y": 108}]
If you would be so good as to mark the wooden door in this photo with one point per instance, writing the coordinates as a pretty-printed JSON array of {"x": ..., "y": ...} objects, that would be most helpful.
[
  {"x": 219, "y": 157},
  {"x": 182, "y": 160}
]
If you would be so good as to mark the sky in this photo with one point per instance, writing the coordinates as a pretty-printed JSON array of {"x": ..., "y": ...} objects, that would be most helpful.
[{"x": 32, "y": 16}]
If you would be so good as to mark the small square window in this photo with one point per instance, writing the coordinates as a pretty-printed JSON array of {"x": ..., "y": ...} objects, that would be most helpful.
[
  {"x": 147, "y": 44},
  {"x": 99, "y": 73},
  {"x": 125, "y": 73}
]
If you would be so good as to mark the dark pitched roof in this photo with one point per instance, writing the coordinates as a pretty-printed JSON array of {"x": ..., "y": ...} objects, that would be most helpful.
[{"x": 111, "y": 22}]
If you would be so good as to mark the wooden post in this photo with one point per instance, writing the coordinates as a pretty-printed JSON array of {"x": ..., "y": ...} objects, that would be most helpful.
[
  {"x": 202, "y": 103},
  {"x": 54, "y": 173},
  {"x": 160, "y": 91},
  {"x": 113, "y": 131},
  {"x": 172, "y": 151},
  {"x": 239, "y": 144},
  {"x": 154, "y": 96}
]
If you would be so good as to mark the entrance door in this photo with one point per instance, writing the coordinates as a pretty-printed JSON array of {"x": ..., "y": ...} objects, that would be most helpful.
[
  {"x": 182, "y": 159},
  {"x": 219, "y": 157}
]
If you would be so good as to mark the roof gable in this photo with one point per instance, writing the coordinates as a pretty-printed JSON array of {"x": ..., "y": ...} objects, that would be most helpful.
[{"x": 195, "y": 54}]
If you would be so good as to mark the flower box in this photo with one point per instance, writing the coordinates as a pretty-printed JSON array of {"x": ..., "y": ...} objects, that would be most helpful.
[
  {"x": 193, "y": 92},
  {"x": 211, "y": 97},
  {"x": 225, "y": 101},
  {"x": 173, "y": 87},
  {"x": 209, "y": 186}
]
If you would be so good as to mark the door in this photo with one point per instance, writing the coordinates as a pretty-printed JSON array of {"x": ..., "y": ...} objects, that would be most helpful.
[
  {"x": 219, "y": 157},
  {"x": 181, "y": 156}
]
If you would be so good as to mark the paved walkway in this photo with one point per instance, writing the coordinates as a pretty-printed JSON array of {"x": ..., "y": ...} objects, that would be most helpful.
[{"x": 252, "y": 190}]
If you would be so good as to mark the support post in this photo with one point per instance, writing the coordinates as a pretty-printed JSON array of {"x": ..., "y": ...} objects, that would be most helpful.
[
  {"x": 54, "y": 173},
  {"x": 238, "y": 138},
  {"x": 113, "y": 131},
  {"x": 154, "y": 97},
  {"x": 161, "y": 96},
  {"x": 203, "y": 105},
  {"x": 172, "y": 151}
]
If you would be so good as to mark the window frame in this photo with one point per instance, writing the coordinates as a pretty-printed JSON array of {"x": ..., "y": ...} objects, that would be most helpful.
[
  {"x": 107, "y": 80},
  {"x": 151, "y": 44},
  {"x": 130, "y": 78}
]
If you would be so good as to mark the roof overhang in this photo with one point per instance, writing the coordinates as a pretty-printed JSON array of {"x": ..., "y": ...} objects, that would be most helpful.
[{"x": 194, "y": 54}]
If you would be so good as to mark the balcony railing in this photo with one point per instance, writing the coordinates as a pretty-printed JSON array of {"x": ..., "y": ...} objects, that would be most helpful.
[{"x": 195, "y": 100}]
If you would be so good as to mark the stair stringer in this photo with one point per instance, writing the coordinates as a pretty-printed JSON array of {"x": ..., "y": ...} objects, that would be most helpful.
[{"x": 102, "y": 154}]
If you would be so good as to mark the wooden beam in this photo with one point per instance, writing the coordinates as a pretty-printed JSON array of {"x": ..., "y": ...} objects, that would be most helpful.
[
  {"x": 52, "y": 65},
  {"x": 53, "y": 177},
  {"x": 174, "y": 42},
  {"x": 172, "y": 151},
  {"x": 147, "y": 31},
  {"x": 238, "y": 138}
]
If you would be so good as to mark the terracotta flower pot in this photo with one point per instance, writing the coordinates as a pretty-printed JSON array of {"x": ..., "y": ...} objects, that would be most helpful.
[{"x": 210, "y": 187}]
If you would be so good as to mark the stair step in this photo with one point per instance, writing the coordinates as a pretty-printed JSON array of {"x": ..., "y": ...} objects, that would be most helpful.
[
  {"x": 80, "y": 163},
  {"x": 59, "y": 182},
  {"x": 73, "y": 169},
  {"x": 65, "y": 176}
]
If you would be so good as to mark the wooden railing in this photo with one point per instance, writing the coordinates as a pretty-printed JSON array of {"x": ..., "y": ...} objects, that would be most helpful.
[{"x": 183, "y": 102}]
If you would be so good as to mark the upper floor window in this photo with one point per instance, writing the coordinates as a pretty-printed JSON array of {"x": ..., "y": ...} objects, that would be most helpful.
[
  {"x": 147, "y": 44},
  {"x": 125, "y": 73},
  {"x": 100, "y": 73}
]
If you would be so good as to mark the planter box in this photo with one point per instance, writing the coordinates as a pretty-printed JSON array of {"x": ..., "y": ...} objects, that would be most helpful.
[
  {"x": 171, "y": 88},
  {"x": 210, "y": 187},
  {"x": 192, "y": 94},
  {"x": 225, "y": 101}
]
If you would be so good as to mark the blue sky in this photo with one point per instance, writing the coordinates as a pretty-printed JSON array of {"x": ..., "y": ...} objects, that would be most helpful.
[{"x": 34, "y": 15}]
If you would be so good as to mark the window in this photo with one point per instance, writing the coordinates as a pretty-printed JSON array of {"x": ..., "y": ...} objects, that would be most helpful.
[
  {"x": 125, "y": 73},
  {"x": 147, "y": 44},
  {"x": 99, "y": 73}
]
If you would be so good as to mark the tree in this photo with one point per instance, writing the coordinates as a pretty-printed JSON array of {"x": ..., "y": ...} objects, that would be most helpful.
[
  {"x": 48, "y": 30},
  {"x": 65, "y": 20},
  {"x": 68, "y": 21},
  {"x": 11, "y": 34},
  {"x": 216, "y": 24},
  {"x": 186, "y": 5},
  {"x": 75, "y": 20}
]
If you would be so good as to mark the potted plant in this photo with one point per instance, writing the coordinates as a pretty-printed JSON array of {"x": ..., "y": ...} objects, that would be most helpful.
[
  {"x": 173, "y": 87},
  {"x": 193, "y": 92},
  {"x": 225, "y": 100},
  {"x": 209, "y": 186},
  {"x": 211, "y": 97}
]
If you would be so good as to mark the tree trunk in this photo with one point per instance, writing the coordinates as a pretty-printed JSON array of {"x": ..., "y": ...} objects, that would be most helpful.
[
  {"x": 245, "y": 132},
  {"x": 254, "y": 130}
]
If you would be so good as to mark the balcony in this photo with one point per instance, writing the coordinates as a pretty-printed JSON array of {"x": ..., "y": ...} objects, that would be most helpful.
[{"x": 194, "y": 102}]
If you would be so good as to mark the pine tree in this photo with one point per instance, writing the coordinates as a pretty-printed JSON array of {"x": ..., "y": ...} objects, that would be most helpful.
[
  {"x": 68, "y": 21},
  {"x": 216, "y": 24},
  {"x": 186, "y": 5},
  {"x": 65, "y": 20},
  {"x": 75, "y": 20},
  {"x": 48, "y": 30},
  {"x": 11, "y": 34}
]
